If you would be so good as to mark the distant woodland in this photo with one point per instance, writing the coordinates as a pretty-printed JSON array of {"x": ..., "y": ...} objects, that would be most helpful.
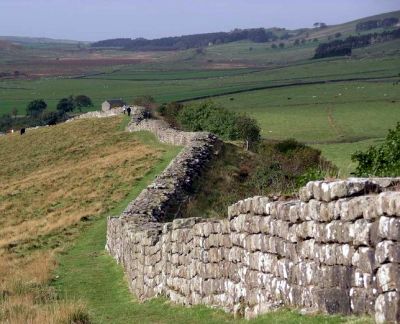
[
  {"x": 344, "y": 47},
  {"x": 258, "y": 35}
]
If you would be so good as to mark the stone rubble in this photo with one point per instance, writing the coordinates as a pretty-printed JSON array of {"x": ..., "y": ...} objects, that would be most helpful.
[{"x": 334, "y": 250}]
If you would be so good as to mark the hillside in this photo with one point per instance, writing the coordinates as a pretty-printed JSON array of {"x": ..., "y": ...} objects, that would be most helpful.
[
  {"x": 56, "y": 181},
  {"x": 256, "y": 35}
]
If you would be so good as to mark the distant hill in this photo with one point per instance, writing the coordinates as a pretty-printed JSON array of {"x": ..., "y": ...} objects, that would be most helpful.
[
  {"x": 7, "y": 45},
  {"x": 256, "y": 35},
  {"x": 39, "y": 40}
]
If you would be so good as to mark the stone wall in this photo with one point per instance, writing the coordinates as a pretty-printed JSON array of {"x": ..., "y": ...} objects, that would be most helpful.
[{"x": 335, "y": 249}]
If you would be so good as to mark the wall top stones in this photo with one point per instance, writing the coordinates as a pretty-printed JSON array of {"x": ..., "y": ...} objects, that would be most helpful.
[{"x": 332, "y": 190}]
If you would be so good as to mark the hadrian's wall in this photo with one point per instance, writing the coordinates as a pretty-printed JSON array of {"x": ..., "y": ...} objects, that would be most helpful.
[{"x": 335, "y": 249}]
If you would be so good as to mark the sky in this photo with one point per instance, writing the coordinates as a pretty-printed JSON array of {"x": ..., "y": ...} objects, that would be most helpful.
[{"x": 93, "y": 20}]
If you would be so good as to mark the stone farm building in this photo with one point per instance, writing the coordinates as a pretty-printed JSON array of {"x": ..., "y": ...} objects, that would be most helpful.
[{"x": 110, "y": 104}]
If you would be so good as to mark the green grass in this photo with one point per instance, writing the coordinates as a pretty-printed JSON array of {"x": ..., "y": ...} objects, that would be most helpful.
[
  {"x": 340, "y": 153},
  {"x": 341, "y": 117},
  {"x": 88, "y": 273},
  {"x": 18, "y": 93}
]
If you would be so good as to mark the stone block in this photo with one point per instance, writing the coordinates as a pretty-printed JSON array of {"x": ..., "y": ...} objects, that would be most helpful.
[
  {"x": 387, "y": 251},
  {"x": 333, "y": 300},
  {"x": 364, "y": 259},
  {"x": 389, "y": 228},
  {"x": 388, "y": 203},
  {"x": 362, "y": 230},
  {"x": 388, "y": 277},
  {"x": 387, "y": 308}
]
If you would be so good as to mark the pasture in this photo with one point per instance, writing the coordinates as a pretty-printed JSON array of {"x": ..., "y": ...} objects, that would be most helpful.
[
  {"x": 337, "y": 101},
  {"x": 55, "y": 181},
  {"x": 337, "y": 118}
]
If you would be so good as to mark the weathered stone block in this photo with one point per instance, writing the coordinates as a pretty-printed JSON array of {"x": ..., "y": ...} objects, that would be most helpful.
[
  {"x": 387, "y": 308},
  {"x": 333, "y": 300},
  {"x": 387, "y": 251},
  {"x": 362, "y": 230},
  {"x": 388, "y": 277}
]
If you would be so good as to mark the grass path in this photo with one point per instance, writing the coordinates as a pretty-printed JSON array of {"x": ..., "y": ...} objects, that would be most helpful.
[{"x": 86, "y": 272}]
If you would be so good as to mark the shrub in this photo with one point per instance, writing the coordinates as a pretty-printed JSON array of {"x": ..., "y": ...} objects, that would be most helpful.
[
  {"x": 66, "y": 105},
  {"x": 36, "y": 107},
  {"x": 381, "y": 160},
  {"x": 82, "y": 101},
  {"x": 288, "y": 145},
  {"x": 144, "y": 101},
  {"x": 209, "y": 117}
]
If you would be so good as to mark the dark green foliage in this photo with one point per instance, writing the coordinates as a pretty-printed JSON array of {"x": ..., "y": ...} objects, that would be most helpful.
[
  {"x": 36, "y": 107},
  {"x": 144, "y": 101},
  {"x": 257, "y": 35},
  {"x": 170, "y": 112},
  {"x": 207, "y": 116},
  {"x": 53, "y": 117},
  {"x": 6, "y": 123},
  {"x": 66, "y": 104},
  {"x": 381, "y": 160},
  {"x": 338, "y": 35},
  {"x": 281, "y": 45},
  {"x": 344, "y": 47},
  {"x": 248, "y": 130},
  {"x": 373, "y": 24},
  {"x": 289, "y": 145},
  {"x": 82, "y": 101}
]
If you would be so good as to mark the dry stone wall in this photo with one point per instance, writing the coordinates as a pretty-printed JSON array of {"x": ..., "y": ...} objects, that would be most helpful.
[{"x": 336, "y": 249}]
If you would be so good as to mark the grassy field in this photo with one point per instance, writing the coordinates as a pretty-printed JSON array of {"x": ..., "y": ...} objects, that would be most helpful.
[
  {"x": 340, "y": 117},
  {"x": 185, "y": 85},
  {"x": 359, "y": 103},
  {"x": 55, "y": 182}
]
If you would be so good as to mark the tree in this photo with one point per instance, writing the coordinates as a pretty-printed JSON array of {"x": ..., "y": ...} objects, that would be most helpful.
[
  {"x": 66, "y": 104},
  {"x": 338, "y": 35},
  {"x": 82, "y": 101},
  {"x": 145, "y": 101},
  {"x": 281, "y": 45},
  {"x": 36, "y": 107},
  {"x": 382, "y": 160},
  {"x": 248, "y": 130},
  {"x": 14, "y": 112}
]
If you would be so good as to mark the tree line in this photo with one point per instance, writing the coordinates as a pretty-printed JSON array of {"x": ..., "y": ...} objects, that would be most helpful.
[
  {"x": 378, "y": 23},
  {"x": 258, "y": 35},
  {"x": 344, "y": 47},
  {"x": 38, "y": 115}
]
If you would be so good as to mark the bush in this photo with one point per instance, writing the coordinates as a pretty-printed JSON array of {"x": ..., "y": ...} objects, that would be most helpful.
[
  {"x": 144, "y": 101},
  {"x": 381, "y": 160},
  {"x": 66, "y": 105},
  {"x": 209, "y": 117},
  {"x": 288, "y": 145},
  {"x": 36, "y": 107}
]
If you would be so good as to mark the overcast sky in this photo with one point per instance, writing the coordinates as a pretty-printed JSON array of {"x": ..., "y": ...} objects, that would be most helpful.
[{"x": 102, "y": 19}]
